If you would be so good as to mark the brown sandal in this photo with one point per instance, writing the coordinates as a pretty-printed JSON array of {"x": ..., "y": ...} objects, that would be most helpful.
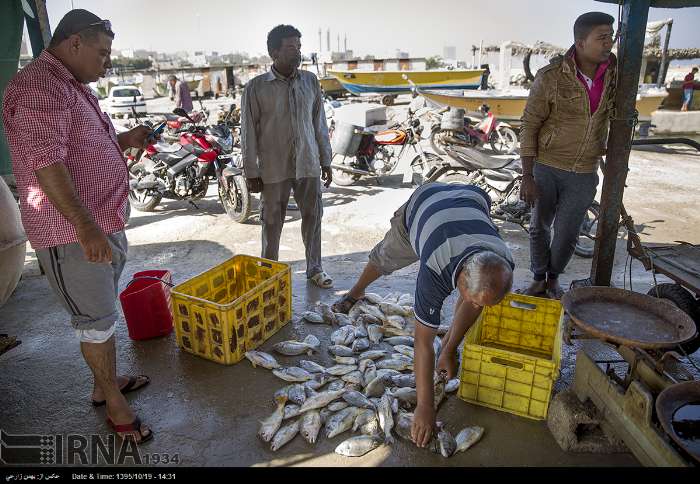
[
  {"x": 128, "y": 388},
  {"x": 134, "y": 426}
]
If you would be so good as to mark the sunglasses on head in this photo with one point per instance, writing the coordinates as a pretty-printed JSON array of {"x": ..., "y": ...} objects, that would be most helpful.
[{"x": 106, "y": 24}]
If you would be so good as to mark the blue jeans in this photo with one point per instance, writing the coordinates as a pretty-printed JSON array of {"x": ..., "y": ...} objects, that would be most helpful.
[{"x": 688, "y": 97}]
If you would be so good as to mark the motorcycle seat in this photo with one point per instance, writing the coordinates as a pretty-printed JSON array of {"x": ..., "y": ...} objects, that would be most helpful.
[
  {"x": 167, "y": 147},
  {"x": 476, "y": 160}
]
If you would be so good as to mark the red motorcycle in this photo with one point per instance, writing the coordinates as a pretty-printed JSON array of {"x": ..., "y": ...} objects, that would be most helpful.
[
  {"x": 454, "y": 128},
  {"x": 181, "y": 171}
]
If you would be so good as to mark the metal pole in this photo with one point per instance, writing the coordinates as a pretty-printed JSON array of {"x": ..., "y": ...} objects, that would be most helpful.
[
  {"x": 631, "y": 50},
  {"x": 664, "y": 55}
]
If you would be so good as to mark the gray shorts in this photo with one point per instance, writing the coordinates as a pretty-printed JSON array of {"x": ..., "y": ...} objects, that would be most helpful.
[
  {"x": 395, "y": 251},
  {"x": 87, "y": 290}
]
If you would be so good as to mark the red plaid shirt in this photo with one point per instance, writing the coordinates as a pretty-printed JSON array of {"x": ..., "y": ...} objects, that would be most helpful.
[{"x": 49, "y": 118}]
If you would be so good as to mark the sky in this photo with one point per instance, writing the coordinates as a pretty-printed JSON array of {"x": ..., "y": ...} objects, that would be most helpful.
[{"x": 421, "y": 28}]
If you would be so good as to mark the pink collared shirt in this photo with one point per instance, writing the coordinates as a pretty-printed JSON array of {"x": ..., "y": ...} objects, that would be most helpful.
[
  {"x": 50, "y": 118},
  {"x": 594, "y": 87}
]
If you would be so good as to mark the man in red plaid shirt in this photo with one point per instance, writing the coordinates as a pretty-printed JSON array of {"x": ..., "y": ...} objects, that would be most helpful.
[{"x": 73, "y": 184}]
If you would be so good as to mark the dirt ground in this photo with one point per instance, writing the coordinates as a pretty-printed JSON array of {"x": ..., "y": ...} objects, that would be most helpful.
[{"x": 208, "y": 414}]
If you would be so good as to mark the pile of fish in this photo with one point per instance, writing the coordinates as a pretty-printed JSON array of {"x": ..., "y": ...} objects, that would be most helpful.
[{"x": 370, "y": 388}]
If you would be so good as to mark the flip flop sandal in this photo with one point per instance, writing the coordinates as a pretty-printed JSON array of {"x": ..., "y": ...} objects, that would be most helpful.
[
  {"x": 322, "y": 280},
  {"x": 344, "y": 304},
  {"x": 128, "y": 388},
  {"x": 134, "y": 426}
]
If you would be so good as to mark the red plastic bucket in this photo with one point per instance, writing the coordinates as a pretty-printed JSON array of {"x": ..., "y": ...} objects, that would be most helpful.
[{"x": 146, "y": 305}]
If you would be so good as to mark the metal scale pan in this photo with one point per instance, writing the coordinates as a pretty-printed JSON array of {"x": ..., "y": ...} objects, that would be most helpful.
[
  {"x": 628, "y": 318},
  {"x": 668, "y": 402}
]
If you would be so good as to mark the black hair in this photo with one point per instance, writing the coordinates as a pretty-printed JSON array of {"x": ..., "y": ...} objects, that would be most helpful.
[
  {"x": 588, "y": 21},
  {"x": 695, "y": 69},
  {"x": 274, "y": 38},
  {"x": 89, "y": 35}
]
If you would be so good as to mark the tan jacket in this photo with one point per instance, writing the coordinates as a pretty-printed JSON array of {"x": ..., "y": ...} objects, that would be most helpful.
[{"x": 557, "y": 126}]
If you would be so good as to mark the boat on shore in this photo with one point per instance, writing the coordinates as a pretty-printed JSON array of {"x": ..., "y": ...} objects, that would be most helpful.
[{"x": 392, "y": 82}]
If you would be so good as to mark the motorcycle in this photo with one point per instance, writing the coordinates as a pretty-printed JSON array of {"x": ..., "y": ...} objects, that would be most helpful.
[
  {"x": 502, "y": 179},
  {"x": 175, "y": 122},
  {"x": 182, "y": 171},
  {"x": 453, "y": 128},
  {"x": 366, "y": 153}
]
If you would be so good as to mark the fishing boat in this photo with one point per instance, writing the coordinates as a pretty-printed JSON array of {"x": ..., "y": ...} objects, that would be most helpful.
[
  {"x": 331, "y": 86},
  {"x": 392, "y": 82},
  {"x": 509, "y": 105}
]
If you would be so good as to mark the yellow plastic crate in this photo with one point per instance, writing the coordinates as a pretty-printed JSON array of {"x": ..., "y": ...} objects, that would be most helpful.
[
  {"x": 232, "y": 308},
  {"x": 512, "y": 356}
]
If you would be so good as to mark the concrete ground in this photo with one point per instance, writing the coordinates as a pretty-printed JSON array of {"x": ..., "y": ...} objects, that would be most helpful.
[{"x": 208, "y": 414}]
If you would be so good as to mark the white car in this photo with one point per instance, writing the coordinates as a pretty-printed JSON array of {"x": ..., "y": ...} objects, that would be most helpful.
[{"x": 122, "y": 99}]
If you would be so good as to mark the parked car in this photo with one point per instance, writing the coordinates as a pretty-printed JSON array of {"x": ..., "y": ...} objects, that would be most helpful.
[{"x": 122, "y": 99}]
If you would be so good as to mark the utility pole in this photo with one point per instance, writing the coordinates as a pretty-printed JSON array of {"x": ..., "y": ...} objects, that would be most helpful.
[
  {"x": 320, "y": 41},
  {"x": 662, "y": 69}
]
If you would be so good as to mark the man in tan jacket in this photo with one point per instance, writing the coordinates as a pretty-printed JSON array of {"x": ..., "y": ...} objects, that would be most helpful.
[{"x": 563, "y": 137}]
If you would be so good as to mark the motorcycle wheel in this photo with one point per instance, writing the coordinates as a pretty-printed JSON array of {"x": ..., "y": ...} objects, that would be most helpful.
[
  {"x": 142, "y": 200},
  {"x": 434, "y": 143},
  {"x": 236, "y": 199},
  {"x": 343, "y": 178},
  {"x": 683, "y": 300},
  {"x": 509, "y": 143},
  {"x": 420, "y": 169},
  {"x": 586, "y": 239}
]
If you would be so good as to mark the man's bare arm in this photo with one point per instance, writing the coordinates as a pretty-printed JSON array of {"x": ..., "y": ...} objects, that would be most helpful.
[{"x": 57, "y": 184}]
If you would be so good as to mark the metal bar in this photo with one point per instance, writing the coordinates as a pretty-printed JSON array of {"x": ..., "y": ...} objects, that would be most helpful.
[
  {"x": 633, "y": 28},
  {"x": 667, "y": 141},
  {"x": 662, "y": 69},
  {"x": 38, "y": 28}
]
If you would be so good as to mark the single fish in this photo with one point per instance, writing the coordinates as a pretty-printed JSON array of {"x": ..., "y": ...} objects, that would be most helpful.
[
  {"x": 285, "y": 435},
  {"x": 358, "y": 446},
  {"x": 443, "y": 329},
  {"x": 371, "y": 427},
  {"x": 369, "y": 374},
  {"x": 269, "y": 426},
  {"x": 404, "y": 425},
  {"x": 467, "y": 437},
  {"x": 284, "y": 391},
  {"x": 360, "y": 332},
  {"x": 341, "y": 421},
  {"x": 452, "y": 385},
  {"x": 343, "y": 336},
  {"x": 374, "y": 333},
  {"x": 310, "y": 392},
  {"x": 393, "y": 309},
  {"x": 362, "y": 366},
  {"x": 373, "y": 298},
  {"x": 340, "y": 350},
  {"x": 439, "y": 393},
  {"x": 260, "y": 358},
  {"x": 376, "y": 387},
  {"x": 394, "y": 364},
  {"x": 320, "y": 400},
  {"x": 447, "y": 442},
  {"x": 343, "y": 319},
  {"x": 338, "y": 406},
  {"x": 293, "y": 374},
  {"x": 291, "y": 411},
  {"x": 311, "y": 366},
  {"x": 401, "y": 357},
  {"x": 313, "y": 384},
  {"x": 386, "y": 418},
  {"x": 356, "y": 310},
  {"x": 357, "y": 399},
  {"x": 313, "y": 317},
  {"x": 404, "y": 350},
  {"x": 392, "y": 297},
  {"x": 387, "y": 372},
  {"x": 367, "y": 319},
  {"x": 391, "y": 331},
  {"x": 373, "y": 354},
  {"x": 297, "y": 394},
  {"x": 336, "y": 385},
  {"x": 395, "y": 321},
  {"x": 374, "y": 312},
  {"x": 360, "y": 345},
  {"x": 363, "y": 417},
  {"x": 400, "y": 340},
  {"x": 345, "y": 360},
  {"x": 340, "y": 370},
  {"x": 406, "y": 395},
  {"x": 294, "y": 348},
  {"x": 404, "y": 381},
  {"x": 354, "y": 377},
  {"x": 310, "y": 426},
  {"x": 327, "y": 313}
]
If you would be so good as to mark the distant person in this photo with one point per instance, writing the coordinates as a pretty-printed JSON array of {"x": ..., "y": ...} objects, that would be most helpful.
[
  {"x": 74, "y": 186},
  {"x": 651, "y": 77},
  {"x": 562, "y": 139},
  {"x": 688, "y": 88},
  {"x": 180, "y": 93},
  {"x": 285, "y": 145}
]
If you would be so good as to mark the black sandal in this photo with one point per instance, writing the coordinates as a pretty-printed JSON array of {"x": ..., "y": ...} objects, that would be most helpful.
[
  {"x": 128, "y": 388},
  {"x": 344, "y": 304}
]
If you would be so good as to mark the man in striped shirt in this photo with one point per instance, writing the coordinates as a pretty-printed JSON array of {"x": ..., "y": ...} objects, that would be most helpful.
[{"x": 448, "y": 231}]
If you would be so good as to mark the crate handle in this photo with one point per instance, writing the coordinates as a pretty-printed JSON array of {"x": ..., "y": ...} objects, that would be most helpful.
[
  {"x": 149, "y": 277},
  {"x": 523, "y": 305},
  {"x": 504, "y": 362},
  {"x": 265, "y": 264}
]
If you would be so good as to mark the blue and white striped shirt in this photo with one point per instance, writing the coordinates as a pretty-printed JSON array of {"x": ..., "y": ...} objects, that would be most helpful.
[{"x": 446, "y": 224}]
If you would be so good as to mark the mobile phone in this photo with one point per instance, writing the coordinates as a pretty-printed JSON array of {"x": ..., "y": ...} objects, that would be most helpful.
[{"x": 156, "y": 132}]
